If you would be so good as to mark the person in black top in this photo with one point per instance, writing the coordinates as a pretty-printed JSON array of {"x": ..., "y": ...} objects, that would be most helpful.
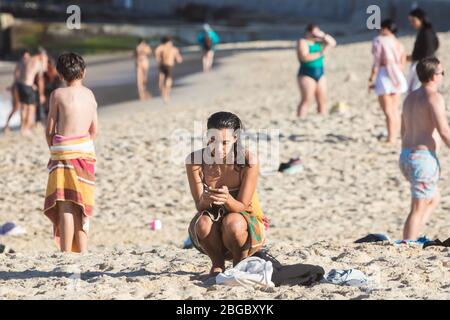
[{"x": 425, "y": 46}]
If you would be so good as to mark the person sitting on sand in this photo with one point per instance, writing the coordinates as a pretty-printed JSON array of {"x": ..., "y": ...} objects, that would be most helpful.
[
  {"x": 386, "y": 76},
  {"x": 29, "y": 93},
  {"x": 423, "y": 120},
  {"x": 18, "y": 73},
  {"x": 167, "y": 55},
  {"x": 71, "y": 130},
  {"x": 311, "y": 78},
  {"x": 222, "y": 177},
  {"x": 141, "y": 54}
]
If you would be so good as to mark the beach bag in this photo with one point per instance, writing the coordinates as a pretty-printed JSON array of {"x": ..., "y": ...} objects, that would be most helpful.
[{"x": 251, "y": 273}]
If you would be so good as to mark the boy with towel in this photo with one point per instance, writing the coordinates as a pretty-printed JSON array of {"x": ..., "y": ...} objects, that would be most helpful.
[{"x": 71, "y": 129}]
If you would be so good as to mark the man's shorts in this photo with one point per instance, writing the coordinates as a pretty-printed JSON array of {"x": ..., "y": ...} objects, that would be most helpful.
[
  {"x": 421, "y": 168},
  {"x": 27, "y": 94}
]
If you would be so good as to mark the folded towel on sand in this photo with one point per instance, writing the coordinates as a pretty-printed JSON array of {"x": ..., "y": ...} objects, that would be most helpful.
[
  {"x": 350, "y": 277},
  {"x": 251, "y": 273},
  {"x": 71, "y": 178}
]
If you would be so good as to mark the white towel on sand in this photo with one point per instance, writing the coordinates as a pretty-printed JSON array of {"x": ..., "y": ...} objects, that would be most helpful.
[{"x": 252, "y": 272}]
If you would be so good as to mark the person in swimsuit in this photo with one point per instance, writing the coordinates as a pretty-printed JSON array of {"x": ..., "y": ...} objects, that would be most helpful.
[
  {"x": 230, "y": 224},
  {"x": 167, "y": 55},
  {"x": 311, "y": 78},
  {"x": 424, "y": 124},
  {"x": 426, "y": 45},
  {"x": 29, "y": 93},
  {"x": 208, "y": 39},
  {"x": 387, "y": 77},
  {"x": 18, "y": 73},
  {"x": 142, "y": 53}
]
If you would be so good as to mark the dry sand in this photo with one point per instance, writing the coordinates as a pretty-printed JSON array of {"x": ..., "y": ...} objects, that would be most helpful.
[{"x": 351, "y": 186}]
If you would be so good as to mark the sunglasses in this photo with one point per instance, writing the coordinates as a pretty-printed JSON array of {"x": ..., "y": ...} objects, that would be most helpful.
[{"x": 440, "y": 73}]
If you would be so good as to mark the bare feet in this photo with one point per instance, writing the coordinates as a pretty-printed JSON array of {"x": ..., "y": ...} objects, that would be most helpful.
[{"x": 6, "y": 130}]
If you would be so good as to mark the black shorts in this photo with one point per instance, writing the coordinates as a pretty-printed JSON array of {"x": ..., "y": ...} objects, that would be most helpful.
[
  {"x": 166, "y": 70},
  {"x": 27, "y": 94}
]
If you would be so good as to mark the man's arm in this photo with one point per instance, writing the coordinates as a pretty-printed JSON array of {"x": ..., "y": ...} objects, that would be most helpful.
[
  {"x": 50, "y": 131},
  {"x": 178, "y": 56},
  {"x": 439, "y": 117}
]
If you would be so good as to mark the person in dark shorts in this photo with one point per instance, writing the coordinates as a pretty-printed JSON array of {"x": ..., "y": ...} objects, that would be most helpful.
[{"x": 167, "y": 55}]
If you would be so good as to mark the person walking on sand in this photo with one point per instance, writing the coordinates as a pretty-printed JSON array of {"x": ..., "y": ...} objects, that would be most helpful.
[
  {"x": 230, "y": 224},
  {"x": 424, "y": 124},
  {"x": 18, "y": 74},
  {"x": 29, "y": 93},
  {"x": 142, "y": 54},
  {"x": 167, "y": 55},
  {"x": 71, "y": 130},
  {"x": 387, "y": 77},
  {"x": 311, "y": 50},
  {"x": 426, "y": 45},
  {"x": 208, "y": 39}
]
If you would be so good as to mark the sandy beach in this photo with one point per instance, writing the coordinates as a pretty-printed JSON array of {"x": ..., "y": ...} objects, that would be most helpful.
[{"x": 351, "y": 186}]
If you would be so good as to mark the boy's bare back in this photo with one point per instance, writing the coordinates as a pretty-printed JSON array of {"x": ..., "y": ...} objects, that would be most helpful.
[
  {"x": 76, "y": 109},
  {"x": 423, "y": 111}
]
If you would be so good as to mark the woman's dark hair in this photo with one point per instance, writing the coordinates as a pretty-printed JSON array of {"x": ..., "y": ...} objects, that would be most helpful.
[
  {"x": 390, "y": 25},
  {"x": 228, "y": 120},
  {"x": 422, "y": 16},
  {"x": 141, "y": 40},
  {"x": 311, "y": 26}
]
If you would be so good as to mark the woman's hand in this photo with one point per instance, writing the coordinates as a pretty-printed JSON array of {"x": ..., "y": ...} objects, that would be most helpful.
[
  {"x": 220, "y": 197},
  {"x": 319, "y": 34}
]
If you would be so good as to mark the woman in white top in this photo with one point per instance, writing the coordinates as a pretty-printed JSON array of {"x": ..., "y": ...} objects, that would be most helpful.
[{"x": 387, "y": 77}]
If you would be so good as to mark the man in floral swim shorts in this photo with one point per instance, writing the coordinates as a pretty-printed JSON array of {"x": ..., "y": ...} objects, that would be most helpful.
[{"x": 424, "y": 124}]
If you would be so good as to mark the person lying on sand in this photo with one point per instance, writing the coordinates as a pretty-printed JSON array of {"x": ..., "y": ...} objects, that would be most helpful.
[
  {"x": 167, "y": 55},
  {"x": 423, "y": 121},
  {"x": 222, "y": 177},
  {"x": 71, "y": 129}
]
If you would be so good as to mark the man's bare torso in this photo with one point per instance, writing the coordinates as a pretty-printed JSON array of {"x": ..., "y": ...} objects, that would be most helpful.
[
  {"x": 33, "y": 66},
  {"x": 167, "y": 54},
  {"x": 419, "y": 126}
]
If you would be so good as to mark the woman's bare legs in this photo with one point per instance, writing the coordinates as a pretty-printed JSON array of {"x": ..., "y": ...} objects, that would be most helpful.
[
  {"x": 235, "y": 236},
  {"x": 321, "y": 95},
  {"x": 210, "y": 238},
  {"x": 392, "y": 115},
  {"x": 307, "y": 88}
]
